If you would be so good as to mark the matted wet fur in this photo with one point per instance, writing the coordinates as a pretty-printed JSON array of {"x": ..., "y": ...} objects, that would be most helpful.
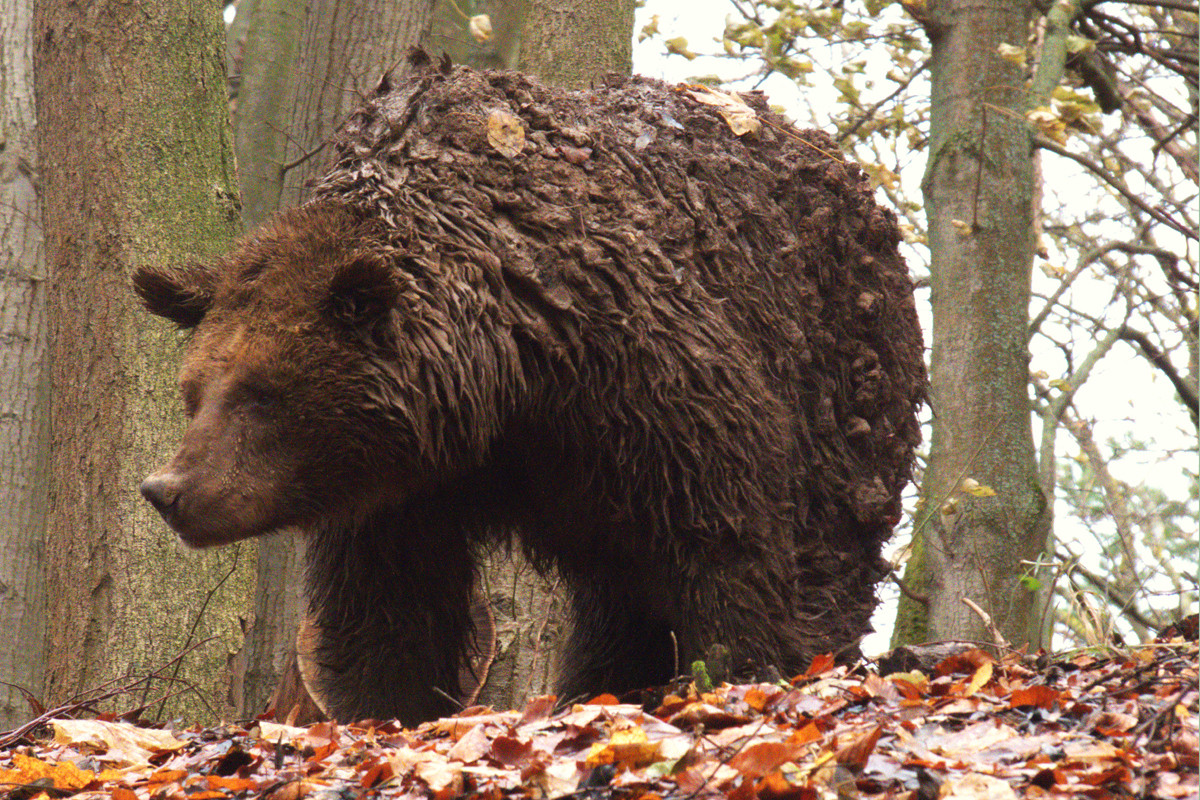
[{"x": 678, "y": 365}]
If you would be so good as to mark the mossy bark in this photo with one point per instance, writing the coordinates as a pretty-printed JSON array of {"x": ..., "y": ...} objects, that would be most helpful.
[
  {"x": 136, "y": 168},
  {"x": 979, "y": 191},
  {"x": 304, "y": 69},
  {"x": 573, "y": 44}
]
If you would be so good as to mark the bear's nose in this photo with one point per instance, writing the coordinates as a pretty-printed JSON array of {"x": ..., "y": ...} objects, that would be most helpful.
[{"x": 162, "y": 490}]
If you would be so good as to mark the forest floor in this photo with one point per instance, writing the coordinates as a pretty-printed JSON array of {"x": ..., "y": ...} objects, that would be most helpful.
[{"x": 1097, "y": 724}]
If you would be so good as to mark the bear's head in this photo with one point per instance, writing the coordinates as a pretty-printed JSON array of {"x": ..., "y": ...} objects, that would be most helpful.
[{"x": 323, "y": 377}]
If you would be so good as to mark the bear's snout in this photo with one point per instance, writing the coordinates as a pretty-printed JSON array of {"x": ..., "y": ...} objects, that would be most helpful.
[{"x": 163, "y": 490}]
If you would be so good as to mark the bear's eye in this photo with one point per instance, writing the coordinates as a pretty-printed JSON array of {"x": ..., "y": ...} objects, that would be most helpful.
[{"x": 259, "y": 398}]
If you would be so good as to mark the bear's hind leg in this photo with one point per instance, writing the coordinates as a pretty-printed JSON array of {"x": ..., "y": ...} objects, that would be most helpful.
[{"x": 615, "y": 646}]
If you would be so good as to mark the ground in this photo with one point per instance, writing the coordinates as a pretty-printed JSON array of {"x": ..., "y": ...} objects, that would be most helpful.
[{"x": 1099, "y": 724}]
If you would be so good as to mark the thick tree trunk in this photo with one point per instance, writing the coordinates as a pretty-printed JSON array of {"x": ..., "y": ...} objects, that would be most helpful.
[
  {"x": 136, "y": 169},
  {"x": 304, "y": 70},
  {"x": 572, "y": 44},
  {"x": 979, "y": 190},
  {"x": 24, "y": 379}
]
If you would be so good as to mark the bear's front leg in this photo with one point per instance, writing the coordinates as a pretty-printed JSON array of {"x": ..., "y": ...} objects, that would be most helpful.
[{"x": 390, "y": 599}]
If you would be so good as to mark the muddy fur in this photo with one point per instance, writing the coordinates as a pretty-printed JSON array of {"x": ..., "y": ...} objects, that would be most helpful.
[{"x": 678, "y": 366}]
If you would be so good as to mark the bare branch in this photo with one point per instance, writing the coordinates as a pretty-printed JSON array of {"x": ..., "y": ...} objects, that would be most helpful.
[{"x": 1187, "y": 392}]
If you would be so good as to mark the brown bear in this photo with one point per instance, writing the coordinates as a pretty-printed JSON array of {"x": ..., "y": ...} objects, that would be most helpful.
[{"x": 661, "y": 340}]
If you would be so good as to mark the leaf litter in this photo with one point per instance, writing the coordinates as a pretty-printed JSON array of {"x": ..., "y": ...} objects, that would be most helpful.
[{"x": 1092, "y": 726}]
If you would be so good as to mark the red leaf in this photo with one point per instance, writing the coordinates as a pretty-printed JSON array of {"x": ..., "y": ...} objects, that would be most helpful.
[
  {"x": 821, "y": 663},
  {"x": 1040, "y": 696}
]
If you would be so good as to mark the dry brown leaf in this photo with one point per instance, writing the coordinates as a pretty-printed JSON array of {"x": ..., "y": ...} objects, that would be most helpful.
[
  {"x": 977, "y": 787},
  {"x": 740, "y": 117},
  {"x": 505, "y": 133},
  {"x": 471, "y": 747},
  {"x": 858, "y": 751},
  {"x": 119, "y": 743},
  {"x": 762, "y": 758}
]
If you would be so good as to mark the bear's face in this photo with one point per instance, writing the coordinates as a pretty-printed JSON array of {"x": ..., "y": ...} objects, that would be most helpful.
[
  {"x": 292, "y": 418},
  {"x": 235, "y": 473}
]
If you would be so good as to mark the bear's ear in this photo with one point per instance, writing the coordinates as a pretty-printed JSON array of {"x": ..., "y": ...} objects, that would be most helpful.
[
  {"x": 181, "y": 295},
  {"x": 362, "y": 291}
]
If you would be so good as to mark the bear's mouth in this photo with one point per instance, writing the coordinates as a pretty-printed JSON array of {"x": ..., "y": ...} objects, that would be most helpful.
[{"x": 200, "y": 525}]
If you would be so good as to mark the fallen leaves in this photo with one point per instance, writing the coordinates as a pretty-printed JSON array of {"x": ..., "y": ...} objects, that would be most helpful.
[
  {"x": 976, "y": 728},
  {"x": 505, "y": 134},
  {"x": 739, "y": 116}
]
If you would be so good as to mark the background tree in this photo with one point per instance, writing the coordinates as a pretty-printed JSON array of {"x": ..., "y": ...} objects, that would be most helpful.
[
  {"x": 571, "y": 44},
  {"x": 136, "y": 168},
  {"x": 1108, "y": 95},
  {"x": 979, "y": 203},
  {"x": 24, "y": 435}
]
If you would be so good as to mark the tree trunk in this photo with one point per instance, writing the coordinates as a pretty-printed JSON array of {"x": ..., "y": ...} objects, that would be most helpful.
[
  {"x": 304, "y": 70},
  {"x": 450, "y": 32},
  {"x": 979, "y": 189},
  {"x": 24, "y": 387},
  {"x": 572, "y": 44},
  {"x": 564, "y": 44},
  {"x": 266, "y": 94},
  {"x": 136, "y": 169}
]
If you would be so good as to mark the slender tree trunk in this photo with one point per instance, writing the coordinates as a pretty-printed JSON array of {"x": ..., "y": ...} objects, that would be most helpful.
[
  {"x": 566, "y": 44},
  {"x": 136, "y": 168},
  {"x": 305, "y": 68},
  {"x": 266, "y": 93},
  {"x": 24, "y": 378},
  {"x": 979, "y": 193},
  {"x": 573, "y": 43},
  {"x": 450, "y": 32}
]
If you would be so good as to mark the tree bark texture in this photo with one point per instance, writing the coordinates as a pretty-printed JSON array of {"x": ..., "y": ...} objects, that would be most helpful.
[
  {"x": 450, "y": 32},
  {"x": 569, "y": 45},
  {"x": 305, "y": 68},
  {"x": 136, "y": 168},
  {"x": 572, "y": 44},
  {"x": 979, "y": 190},
  {"x": 24, "y": 376}
]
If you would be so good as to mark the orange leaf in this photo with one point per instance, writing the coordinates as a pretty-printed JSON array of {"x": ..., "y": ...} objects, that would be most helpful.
[
  {"x": 776, "y": 787},
  {"x": 231, "y": 783},
  {"x": 64, "y": 774},
  {"x": 121, "y": 793},
  {"x": 1040, "y": 696},
  {"x": 756, "y": 698},
  {"x": 167, "y": 776},
  {"x": 603, "y": 700},
  {"x": 821, "y": 663},
  {"x": 762, "y": 758},
  {"x": 966, "y": 662},
  {"x": 856, "y": 753},
  {"x": 809, "y": 733}
]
